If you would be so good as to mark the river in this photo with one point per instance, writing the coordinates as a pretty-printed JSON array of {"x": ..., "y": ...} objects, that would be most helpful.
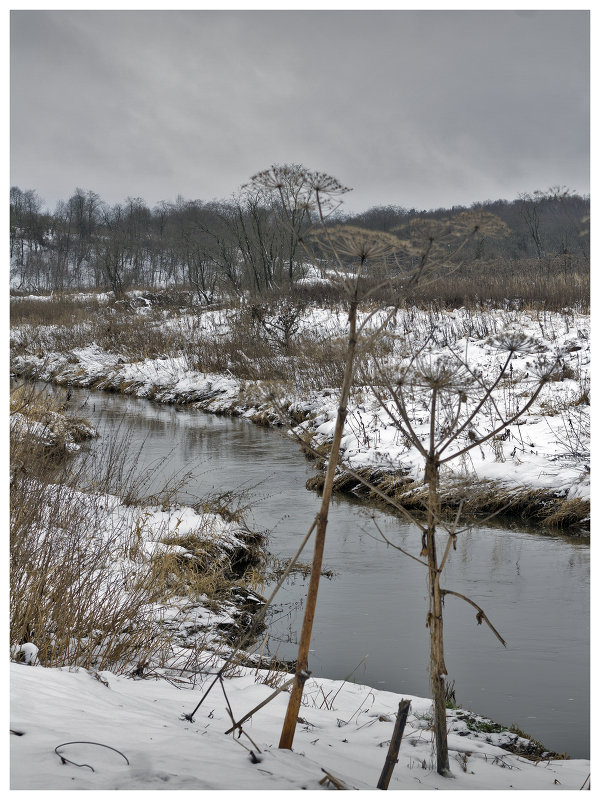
[{"x": 533, "y": 586}]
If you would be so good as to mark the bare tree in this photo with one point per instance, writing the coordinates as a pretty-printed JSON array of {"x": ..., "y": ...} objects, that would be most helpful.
[
  {"x": 290, "y": 207},
  {"x": 530, "y": 207}
]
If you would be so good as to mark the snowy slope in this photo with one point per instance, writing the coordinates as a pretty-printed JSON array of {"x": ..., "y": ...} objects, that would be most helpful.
[{"x": 346, "y": 734}]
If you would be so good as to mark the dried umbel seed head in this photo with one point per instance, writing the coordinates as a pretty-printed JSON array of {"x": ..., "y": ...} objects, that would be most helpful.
[
  {"x": 279, "y": 177},
  {"x": 516, "y": 342},
  {"x": 442, "y": 374},
  {"x": 297, "y": 180},
  {"x": 422, "y": 233},
  {"x": 481, "y": 221},
  {"x": 326, "y": 184},
  {"x": 357, "y": 243},
  {"x": 440, "y": 237},
  {"x": 546, "y": 369}
]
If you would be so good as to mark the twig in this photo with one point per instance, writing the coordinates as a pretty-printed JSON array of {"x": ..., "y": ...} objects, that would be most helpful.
[
  {"x": 397, "y": 547},
  {"x": 585, "y": 781},
  {"x": 347, "y": 678},
  {"x": 451, "y": 538},
  {"x": 337, "y": 782},
  {"x": 260, "y": 705},
  {"x": 481, "y": 615},
  {"x": 389, "y": 500},
  {"x": 230, "y": 712},
  {"x": 96, "y": 744},
  {"x": 479, "y": 522}
]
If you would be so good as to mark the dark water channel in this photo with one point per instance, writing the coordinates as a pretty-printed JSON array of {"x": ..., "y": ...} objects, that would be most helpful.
[{"x": 533, "y": 586}]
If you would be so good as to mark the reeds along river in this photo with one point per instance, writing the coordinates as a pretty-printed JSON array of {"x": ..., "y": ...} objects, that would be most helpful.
[{"x": 534, "y": 586}]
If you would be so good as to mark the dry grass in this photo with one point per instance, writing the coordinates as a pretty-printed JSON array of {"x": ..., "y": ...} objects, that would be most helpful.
[
  {"x": 479, "y": 499},
  {"x": 67, "y": 597},
  {"x": 82, "y": 589},
  {"x": 207, "y": 567},
  {"x": 37, "y": 404},
  {"x": 42, "y": 435},
  {"x": 60, "y": 310}
]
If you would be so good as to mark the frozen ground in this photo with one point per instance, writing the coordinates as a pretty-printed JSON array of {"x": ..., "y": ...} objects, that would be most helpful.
[{"x": 345, "y": 730}]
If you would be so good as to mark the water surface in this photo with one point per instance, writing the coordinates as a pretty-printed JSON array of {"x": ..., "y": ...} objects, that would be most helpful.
[{"x": 533, "y": 586}]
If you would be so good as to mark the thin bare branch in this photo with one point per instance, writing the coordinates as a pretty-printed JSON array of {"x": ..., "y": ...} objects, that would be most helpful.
[
  {"x": 486, "y": 519},
  {"x": 500, "y": 428},
  {"x": 272, "y": 696},
  {"x": 256, "y": 621},
  {"x": 481, "y": 615},
  {"x": 451, "y": 538},
  {"x": 389, "y": 500},
  {"x": 397, "y": 547},
  {"x": 488, "y": 391}
]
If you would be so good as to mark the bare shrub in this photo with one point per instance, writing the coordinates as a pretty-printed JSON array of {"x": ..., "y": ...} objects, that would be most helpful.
[{"x": 67, "y": 595}]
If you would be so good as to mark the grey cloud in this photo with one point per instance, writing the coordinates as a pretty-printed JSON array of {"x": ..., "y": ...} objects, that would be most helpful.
[{"x": 415, "y": 108}]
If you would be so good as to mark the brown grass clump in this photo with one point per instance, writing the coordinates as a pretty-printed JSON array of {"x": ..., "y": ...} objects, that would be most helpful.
[
  {"x": 65, "y": 597},
  {"x": 34, "y": 402},
  {"x": 192, "y": 575},
  {"x": 487, "y": 497},
  {"x": 208, "y": 567},
  {"x": 42, "y": 433},
  {"x": 569, "y": 512}
]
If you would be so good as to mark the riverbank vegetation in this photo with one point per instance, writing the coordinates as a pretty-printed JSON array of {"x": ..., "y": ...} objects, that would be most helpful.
[
  {"x": 223, "y": 360},
  {"x": 116, "y": 579}
]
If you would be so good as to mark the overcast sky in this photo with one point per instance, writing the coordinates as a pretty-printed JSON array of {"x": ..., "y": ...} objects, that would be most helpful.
[{"x": 413, "y": 108}]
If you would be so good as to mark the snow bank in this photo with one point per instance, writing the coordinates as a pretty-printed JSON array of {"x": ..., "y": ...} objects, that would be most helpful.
[{"x": 344, "y": 729}]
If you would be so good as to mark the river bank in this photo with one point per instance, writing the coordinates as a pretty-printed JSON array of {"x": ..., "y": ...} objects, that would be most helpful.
[
  {"x": 539, "y": 471},
  {"x": 99, "y": 579},
  {"x": 536, "y": 585}
]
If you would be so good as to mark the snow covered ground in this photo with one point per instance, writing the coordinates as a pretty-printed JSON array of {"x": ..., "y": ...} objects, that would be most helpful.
[{"x": 131, "y": 734}]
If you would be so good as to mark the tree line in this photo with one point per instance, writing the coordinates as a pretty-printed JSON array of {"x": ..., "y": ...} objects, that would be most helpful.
[{"x": 248, "y": 244}]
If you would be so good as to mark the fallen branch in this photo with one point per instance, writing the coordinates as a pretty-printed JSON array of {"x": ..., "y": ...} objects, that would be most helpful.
[{"x": 329, "y": 778}]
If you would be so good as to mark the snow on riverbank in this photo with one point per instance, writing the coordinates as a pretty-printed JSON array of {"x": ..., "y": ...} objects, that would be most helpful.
[
  {"x": 174, "y": 574},
  {"x": 548, "y": 448},
  {"x": 345, "y": 730}
]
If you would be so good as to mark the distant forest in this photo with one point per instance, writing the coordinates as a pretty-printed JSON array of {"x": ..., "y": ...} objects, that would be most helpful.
[{"x": 540, "y": 253}]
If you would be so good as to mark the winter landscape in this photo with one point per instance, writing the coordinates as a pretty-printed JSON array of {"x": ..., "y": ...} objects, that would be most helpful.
[{"x": 299, "y": 492}]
